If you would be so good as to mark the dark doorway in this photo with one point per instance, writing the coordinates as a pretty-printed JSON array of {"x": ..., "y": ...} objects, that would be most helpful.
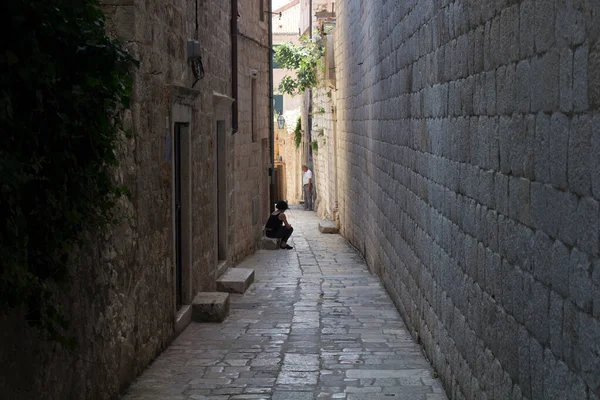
[
  {"x": 180, "y": 131},
  {"x": 221, "y": 192}
]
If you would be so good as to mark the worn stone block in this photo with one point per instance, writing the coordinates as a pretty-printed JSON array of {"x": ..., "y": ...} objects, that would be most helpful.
[
  {"x": 543, "y": 25},
  {"x": 595, "y": 161},
  {"x": 578, "y": 221},
  {"x": 596, "y": 287},
  {"x": 492, "y": 228},
  {"x": 558, "y": 150},
  {"x": 587, "y": 350},
  {"x": 493, "y": 276},
  {"x": 210, "y": 307},
  {"x": 580, "y": 282},
  {"x": 486, "y": 188},
  {"x": 526, "y": 29},
  {"x": 326, "y": 226},
  {"x": 516, "y": 241},
  {"x": 522, "y": 154},
  {"x": 594, "y": 77},
  {"x": 536, "y": 309},
  {"x": 490, "y": 92},
  {"x": 522, "y": 82},
  {"x": 501, "y": 193},
  {"x": 524, "y": 361},
  {"x": 506, "y": 137},
  {"x": 536, "y": 366},
  {"x": 506, "y": 80},
  {"x": 579, "y": 155},
  {"x": 269, "y": 243},
  {"x": 235, "y": 280},
  {"x": 559, "y": 268},
  {"x": 536, "y": 91},
  {"x": 556, "y": 373},
  {"x": 580, "y": 78},
  {"x": 519, "y": 200},
  {"x": 545, "y": 82},
  {"x": 555, "y": 323},
  {"x": 566, "y": 80},
  {"x": 543, "y": 136},
  {"x": 570, "y": 25},
  {"x": 543, "y": 200},
  {"x": 510, "y": 287}
]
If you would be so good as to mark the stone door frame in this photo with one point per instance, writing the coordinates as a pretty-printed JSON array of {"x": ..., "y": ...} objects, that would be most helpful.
[
  {"x": 221, "y": 112},
  {"x": 181, "y": 108}
]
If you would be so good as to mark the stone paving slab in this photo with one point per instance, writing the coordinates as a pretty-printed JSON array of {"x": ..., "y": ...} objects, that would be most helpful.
[{"x": 315, "y": 325}]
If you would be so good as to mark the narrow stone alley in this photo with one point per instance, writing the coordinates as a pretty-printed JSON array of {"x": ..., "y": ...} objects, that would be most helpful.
[{"x": 315, "y": 325}]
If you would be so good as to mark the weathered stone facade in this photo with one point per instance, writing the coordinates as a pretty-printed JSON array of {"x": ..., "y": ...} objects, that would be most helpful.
[
  {"x": 250, "y": 205},
  {"x": 469, "y": 179},
  {"x": 123, "y": 300},
  {"x": 324, "y": 159}
]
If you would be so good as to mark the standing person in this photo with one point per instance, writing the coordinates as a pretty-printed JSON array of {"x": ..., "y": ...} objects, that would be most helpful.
[
  {"x": 278, "y": 227},
  {"x": 307, "y": 184}
]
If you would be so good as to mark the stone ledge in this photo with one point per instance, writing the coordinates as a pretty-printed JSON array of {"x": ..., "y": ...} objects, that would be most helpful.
[
  {"x": 183, "y": 318},
  {"x": 327, "y": 226},
  {"x": 235, "y": 280},
  {"x": 210, "y": 307},
  {"x": 269, "y": 243}
]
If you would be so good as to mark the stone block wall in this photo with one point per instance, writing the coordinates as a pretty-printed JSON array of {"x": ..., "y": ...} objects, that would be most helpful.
[
  {"x": 324, "y": 158},
  {"x": 469, "y": 156},
  {"x": 250, "y": 202},
  {"x": 215, "y": 40}
]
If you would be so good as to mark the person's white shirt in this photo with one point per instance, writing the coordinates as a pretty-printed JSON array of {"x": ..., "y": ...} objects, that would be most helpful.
[{"x": 307, "y": 175}]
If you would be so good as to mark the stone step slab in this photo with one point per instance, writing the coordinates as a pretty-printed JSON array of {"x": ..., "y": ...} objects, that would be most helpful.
[
  {"x": 235, "y": 280},
  {"x": 327, "y": 226},
  {"x": 269, "y": 244},
  {"x": 210, "y": 307}
]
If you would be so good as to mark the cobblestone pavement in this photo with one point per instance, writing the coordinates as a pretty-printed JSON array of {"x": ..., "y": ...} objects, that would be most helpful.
[{"x": 315, "y": 325}]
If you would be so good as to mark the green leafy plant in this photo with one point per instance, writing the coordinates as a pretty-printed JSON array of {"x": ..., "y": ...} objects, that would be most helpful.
[
  {"x": 298, "y": 132},
  {"x": 305, "y": 59},
  {"x": 315, "y": 146},
  {"x": 63, "y": 85}
]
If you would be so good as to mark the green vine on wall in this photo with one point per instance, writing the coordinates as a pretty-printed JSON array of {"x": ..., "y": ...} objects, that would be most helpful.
[
  {"x": 63, "y": 84},
  {"x": 298, "y": 132},
  {"x": 305, "y": 58}
]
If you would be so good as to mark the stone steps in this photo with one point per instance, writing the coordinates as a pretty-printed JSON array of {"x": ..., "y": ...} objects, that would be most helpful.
[
  {"x": 327, "y": 226},
  {"x": 269, "y": 244},
  {"x": 210, "y": 307},
  {"x": 235, "y": 280}
]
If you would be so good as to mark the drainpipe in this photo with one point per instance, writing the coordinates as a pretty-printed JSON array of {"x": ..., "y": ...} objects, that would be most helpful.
[
  {"x": 273, "y": 180},
  {"x": 234, "y": 66}
]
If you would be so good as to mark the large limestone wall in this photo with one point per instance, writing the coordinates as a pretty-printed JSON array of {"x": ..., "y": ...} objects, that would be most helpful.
[
  {"x": 324, "y": 159},
  {"x": 469, "y": 165}
]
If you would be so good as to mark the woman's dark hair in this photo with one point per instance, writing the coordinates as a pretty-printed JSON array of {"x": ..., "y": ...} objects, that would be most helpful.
[{"x": 281, "y": 205}]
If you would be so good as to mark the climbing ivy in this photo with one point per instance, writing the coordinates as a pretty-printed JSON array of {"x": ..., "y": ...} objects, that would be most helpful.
[
  {"x": 298, "y": 132},
  {"x": 305, "y": 59},
  {"x": 63, "y": 84}
]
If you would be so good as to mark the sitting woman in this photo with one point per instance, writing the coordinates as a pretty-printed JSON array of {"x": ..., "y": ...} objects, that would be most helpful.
[{"x": 278, "y": 227}]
